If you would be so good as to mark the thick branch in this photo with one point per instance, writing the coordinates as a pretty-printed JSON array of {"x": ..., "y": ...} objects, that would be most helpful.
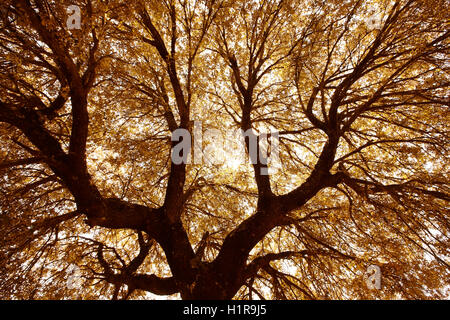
[
  {"x": 146, "y": 282},
  {"x": 20, "y": 162}
]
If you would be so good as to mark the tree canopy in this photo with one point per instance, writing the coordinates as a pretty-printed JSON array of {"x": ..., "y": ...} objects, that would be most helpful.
[{"x": 356, "y": 91}]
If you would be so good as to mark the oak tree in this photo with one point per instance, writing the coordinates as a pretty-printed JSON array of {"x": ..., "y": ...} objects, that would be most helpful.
[{"x": 93, "y": 207}]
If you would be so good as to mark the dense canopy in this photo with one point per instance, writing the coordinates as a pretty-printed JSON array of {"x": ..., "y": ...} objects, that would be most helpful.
[{"x": 93, "y": 207}]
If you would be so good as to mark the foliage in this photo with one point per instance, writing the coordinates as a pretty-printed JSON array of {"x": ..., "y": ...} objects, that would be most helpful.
[{"x": 86, "y": 118}]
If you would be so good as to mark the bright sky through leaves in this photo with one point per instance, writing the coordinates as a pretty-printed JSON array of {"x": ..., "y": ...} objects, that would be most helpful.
[{"x": 358, "y": 92}]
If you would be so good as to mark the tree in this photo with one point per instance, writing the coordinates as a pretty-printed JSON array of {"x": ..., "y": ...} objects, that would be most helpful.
[{"x": 357, "y": 92}]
